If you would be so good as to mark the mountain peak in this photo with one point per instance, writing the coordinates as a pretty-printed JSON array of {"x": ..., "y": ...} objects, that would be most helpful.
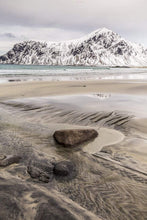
[
  {"x": 105, "y": 32},
  {"x": 102, "y": 30}
]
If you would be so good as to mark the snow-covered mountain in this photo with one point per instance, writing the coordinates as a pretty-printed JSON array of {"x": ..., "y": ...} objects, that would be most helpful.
[{"x": 102, "y": 47}]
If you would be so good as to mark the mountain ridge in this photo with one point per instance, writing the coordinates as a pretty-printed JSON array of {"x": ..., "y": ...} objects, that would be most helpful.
[{"x": 101, "y": 47}]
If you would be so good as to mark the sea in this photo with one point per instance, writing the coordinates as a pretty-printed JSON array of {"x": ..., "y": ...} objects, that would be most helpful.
[{"x": 19, "y": 73}]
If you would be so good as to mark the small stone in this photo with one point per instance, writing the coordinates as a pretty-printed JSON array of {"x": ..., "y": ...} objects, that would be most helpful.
[
  {"x": 9, "y": 159},
  {"x": 74, "y": 137},
  {"x": 2, "y": 157},
  {"x": 33, "y": 171},
  {"x": 64, "y": 169},
  {"x": 41, "y": 170}
]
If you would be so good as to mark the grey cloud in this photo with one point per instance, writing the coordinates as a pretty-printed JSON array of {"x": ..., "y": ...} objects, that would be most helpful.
[
  {"x": 7, "y": 35},
  {"x": 73, "y": 13},
  {"x": 127, "y": 17}
]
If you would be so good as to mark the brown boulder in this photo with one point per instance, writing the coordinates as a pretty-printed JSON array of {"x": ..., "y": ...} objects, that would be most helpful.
[{"x": 74, "y": 137}]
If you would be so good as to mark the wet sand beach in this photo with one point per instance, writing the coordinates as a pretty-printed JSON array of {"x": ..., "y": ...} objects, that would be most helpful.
[
  {"x": 110, "y": 178},
  {"x": 37, "y": 89}
]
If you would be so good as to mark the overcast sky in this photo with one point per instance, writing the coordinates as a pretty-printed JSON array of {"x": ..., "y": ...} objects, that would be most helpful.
[{"x": 55, "y": 20}]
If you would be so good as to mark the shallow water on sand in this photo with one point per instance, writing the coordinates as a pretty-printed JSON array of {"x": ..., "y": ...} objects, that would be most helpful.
[{"x": 128, "y": 104}]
